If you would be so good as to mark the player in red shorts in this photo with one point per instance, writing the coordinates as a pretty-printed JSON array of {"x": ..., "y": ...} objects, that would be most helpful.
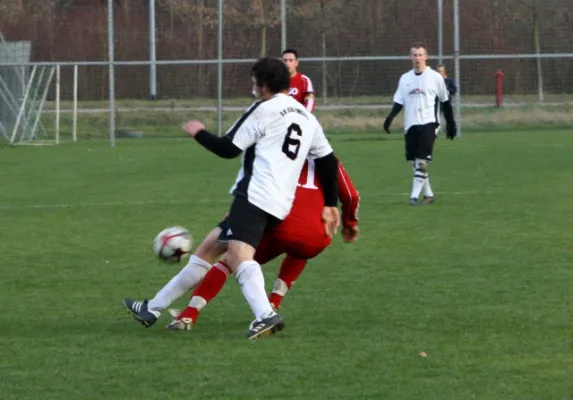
[
  {"x": 300, "y": 85},
  {"x": 301, "y": 236}
]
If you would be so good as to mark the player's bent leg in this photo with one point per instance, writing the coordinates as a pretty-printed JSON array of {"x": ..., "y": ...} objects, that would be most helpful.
[
  {"x": 206, "y": 291},
  {"x": 269, "y": 248},
  {"x": 180, "y": 284},
  {"x": 211, "y": 248},
  {"x": 197, "y": 267},
  {"x": 147, "y": 312},
  {"x": 214, "y": 281},
  {"x": 289, "y": 272},
  {"x": 300, "y": 245}
]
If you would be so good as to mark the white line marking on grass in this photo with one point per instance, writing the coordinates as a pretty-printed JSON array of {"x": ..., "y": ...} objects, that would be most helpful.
[
  {"x": 9, "y": 207},
  {"x": 222, "y": 200}
]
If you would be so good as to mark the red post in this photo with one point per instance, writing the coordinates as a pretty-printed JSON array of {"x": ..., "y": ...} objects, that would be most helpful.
[{"x": 498, "y": 87}]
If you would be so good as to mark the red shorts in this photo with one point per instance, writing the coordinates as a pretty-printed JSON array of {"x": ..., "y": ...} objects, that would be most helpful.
[{"x": 297, "y": 238}]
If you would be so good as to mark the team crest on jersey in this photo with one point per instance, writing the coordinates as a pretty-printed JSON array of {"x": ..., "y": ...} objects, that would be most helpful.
[
  {"x": 416, "y": 92},
  {"x": 293, "y": 91}
]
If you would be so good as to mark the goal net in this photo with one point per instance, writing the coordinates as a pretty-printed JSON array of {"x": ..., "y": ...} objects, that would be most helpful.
[{"x": 23, "y": 94}]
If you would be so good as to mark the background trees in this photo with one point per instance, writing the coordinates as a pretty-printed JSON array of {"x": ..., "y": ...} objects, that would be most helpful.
[{"x": 74, "y": 30}]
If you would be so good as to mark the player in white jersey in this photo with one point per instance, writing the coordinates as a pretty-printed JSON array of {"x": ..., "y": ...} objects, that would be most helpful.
[
  {"x": 275, "y": 135},
  {"x": 419, "y": 91}
]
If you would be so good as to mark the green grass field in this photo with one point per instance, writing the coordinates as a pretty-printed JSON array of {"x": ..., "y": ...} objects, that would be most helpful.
[{"x": 480, "y": 281}]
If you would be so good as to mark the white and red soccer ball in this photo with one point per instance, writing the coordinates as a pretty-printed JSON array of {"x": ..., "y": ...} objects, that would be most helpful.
[{"x": 173, "y": 243}]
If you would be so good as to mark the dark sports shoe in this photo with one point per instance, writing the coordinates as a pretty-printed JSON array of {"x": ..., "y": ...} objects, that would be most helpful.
[
  {"x": 413, "y": 201},
  {"x": 139, "y": 311},
  {"x": 428, "y": 200},
  {"x": 266, "y": 327}
]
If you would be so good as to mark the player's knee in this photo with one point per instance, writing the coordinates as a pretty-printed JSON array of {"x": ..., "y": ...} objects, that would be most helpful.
[
  {"x": 421, "y": 165},
  {"x": 237, "y": 253},
  {"x": 210, "y": 249},
  {"x": 210, "y": 252}
]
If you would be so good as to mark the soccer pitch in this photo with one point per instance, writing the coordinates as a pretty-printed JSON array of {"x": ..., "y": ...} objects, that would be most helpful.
[{"x": 480, "y": 281}]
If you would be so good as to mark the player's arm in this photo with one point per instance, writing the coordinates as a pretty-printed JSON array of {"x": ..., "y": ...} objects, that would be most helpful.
[
  {"x": 350, "y": 200},
  {"x": 326, "y": 165},
  {"x": 221, "y": 146},
  {"x": 309, "y": 102},
  {"x": 327, "y": 174},
  {"x": 443, "y": 96},
  {"x": 242, "y": 134},
  {"x": 451, "y": 86},
  {"x": 349, "y": 197},
  {"x": 396, "y": 107}
]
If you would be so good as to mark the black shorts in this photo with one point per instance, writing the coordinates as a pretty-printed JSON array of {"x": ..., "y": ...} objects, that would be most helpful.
[
  {"x": 420, "y": 142},
  {"x": 246, "y": 223}
]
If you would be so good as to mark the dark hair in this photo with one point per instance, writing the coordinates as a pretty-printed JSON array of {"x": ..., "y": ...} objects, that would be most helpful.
[
  {"x": 273, "y": 73},
  {"x": 419, "y": 45},
  {"x": 291, "y": 51},
  {"x": 441, "y": 66}
]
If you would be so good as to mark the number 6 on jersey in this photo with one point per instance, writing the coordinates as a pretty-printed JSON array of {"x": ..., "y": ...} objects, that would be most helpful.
[{"x": 292, "y": 142}]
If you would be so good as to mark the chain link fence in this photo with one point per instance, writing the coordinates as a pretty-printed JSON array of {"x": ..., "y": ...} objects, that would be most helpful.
[{"x": 178, "y": 58}]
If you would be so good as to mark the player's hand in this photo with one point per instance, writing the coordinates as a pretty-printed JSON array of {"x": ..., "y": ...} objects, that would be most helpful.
[
  {"x": 331, "y": 219},
  {"x": 452, "y": 131},
  {"x": 350, "y": 233},
  {"x": 193, "y": 127},
  {"x": 387, "y": 123}
]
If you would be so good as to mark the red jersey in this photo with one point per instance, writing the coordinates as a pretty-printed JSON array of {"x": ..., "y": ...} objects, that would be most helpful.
[
  {"x": 301, "y": 234},
  {"x": 309, "y": 200},
  {"x": 300, "y": 88}
]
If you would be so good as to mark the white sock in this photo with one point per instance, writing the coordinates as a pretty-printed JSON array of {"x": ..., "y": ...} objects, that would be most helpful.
[
  {"x": 250, "y": 277},
  {"x": 427, "y": 188},
  {"x": 417, "y": 186},
  {"x": 184, "y": 281},
  {"x": 419, "y": 179}
]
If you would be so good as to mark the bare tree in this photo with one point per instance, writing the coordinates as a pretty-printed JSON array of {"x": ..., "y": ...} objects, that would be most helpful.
[
  {"x": 263, "y": 14},
  {"x": 10, "y": 9}
]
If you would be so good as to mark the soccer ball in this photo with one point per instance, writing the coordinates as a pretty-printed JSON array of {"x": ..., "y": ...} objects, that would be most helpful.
[{"x": 172, "y": 243}]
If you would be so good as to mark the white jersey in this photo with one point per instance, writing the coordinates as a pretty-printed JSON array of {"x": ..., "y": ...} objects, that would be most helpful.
[
  {"x": 419, "y": 94},
  {"x": 276, "y": 137}
]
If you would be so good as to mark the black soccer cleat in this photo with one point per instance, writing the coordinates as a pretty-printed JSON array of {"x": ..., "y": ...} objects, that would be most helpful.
[
  {"x": 266, "y": 327},
  {"x": 413, "y": 201},
  {"x": 140, "y": 312}
]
